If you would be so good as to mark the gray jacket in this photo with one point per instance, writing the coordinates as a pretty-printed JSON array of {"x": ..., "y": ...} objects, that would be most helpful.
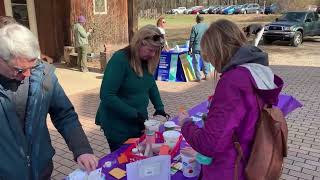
[{"x": 195, "y": 37}]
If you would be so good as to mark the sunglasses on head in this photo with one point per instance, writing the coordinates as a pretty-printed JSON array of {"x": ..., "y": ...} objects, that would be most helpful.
[{"x": 157, "y": 38}]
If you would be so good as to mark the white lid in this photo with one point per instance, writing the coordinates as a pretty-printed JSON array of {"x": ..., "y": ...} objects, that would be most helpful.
[
  {"x": 170, "y": 124},
  {"x": 135, "y": 150},
  {"x": 195, "y": 119},
  {"x": 151, "y": 123}
]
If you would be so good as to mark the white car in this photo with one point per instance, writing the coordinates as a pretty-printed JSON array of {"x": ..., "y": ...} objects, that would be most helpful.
[{"x": 179, "y": 10}]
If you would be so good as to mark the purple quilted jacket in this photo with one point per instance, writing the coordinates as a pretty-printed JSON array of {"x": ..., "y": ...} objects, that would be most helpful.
[{"x": 234, "y": 109}]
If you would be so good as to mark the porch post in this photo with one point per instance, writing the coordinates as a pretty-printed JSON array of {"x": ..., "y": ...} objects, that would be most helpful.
[
  {"x": 8, "y": 7},
  {"x": 32, "y": 17}
]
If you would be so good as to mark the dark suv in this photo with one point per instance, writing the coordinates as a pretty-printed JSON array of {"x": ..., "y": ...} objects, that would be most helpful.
[{"x": 293, "y": 26}]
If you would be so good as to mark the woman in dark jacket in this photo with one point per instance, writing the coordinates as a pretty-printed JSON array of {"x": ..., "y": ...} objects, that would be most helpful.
[{"x": 128, "y": 85}]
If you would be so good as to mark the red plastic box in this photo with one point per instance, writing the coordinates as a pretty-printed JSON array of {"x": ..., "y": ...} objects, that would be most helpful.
[{"x": 159, "y": 139}]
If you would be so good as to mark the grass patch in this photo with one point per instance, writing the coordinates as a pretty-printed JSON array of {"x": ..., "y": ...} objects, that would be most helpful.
[{"x": 178, "y": 27}]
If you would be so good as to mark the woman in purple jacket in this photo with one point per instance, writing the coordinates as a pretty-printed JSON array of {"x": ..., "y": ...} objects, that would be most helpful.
[{"x": 245, "y": 78}]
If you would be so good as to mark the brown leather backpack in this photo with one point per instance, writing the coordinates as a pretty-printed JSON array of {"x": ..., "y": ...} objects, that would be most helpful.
[{"x": 269, "y": 147}]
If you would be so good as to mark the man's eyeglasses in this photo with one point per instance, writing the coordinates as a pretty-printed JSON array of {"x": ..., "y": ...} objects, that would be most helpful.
[{"x": 23, "y": 70}]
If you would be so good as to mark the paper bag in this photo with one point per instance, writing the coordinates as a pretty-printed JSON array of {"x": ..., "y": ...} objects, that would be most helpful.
[{"x": 155, "y": 168}]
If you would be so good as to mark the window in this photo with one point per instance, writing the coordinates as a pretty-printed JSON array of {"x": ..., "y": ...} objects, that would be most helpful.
[
  {"x": 100, "y": 6},
  {"x": 316, "y": 16},
  {"x": 20, "y": 12},
  {"x": 310, "y": 16}
]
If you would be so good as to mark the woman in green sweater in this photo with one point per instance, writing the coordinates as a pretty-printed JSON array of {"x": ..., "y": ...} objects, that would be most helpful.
[{"x": 127, "y": 86}]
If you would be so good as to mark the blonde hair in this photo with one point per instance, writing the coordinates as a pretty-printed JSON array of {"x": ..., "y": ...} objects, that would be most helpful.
[
  {"x": 220, "y": 42},
  {"x": 144, "y": 37},
  {"x": 159, "y": 21}
]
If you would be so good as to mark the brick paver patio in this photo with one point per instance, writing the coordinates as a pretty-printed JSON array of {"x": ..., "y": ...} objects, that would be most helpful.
[{"x": 303, "y": 161}]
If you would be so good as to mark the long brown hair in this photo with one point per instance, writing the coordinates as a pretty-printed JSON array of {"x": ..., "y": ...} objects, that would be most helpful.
[
  {"x": 144, "y": 37},
  {"x": 220, "y": 42}
]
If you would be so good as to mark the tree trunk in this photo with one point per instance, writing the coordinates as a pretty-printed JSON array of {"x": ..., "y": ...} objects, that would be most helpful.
[{"x": 132, "y": 17}]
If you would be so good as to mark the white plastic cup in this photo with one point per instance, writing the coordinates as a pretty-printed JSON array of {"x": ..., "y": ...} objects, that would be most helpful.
[
  {"x": 152, "y": 126},
  {"x": 171, "y": 138},
  {"x": 190, "y": 169}
]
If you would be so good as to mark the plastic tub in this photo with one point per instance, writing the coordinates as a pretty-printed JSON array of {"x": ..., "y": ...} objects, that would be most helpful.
[{"x": 190, "y": 169}]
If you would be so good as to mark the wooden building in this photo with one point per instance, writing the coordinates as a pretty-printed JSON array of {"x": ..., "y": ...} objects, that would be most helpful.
[{"x": 113, "y": 21}]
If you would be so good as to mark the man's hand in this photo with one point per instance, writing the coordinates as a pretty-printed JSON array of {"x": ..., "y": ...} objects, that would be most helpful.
[
  {"x": 190, "y": 51},
  {"x": 90, "y": 30},
  {"x": 87, "y": 162}
]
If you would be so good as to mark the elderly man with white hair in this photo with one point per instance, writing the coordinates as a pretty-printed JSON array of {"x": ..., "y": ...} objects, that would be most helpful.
[{"x": 29, "y": 90}]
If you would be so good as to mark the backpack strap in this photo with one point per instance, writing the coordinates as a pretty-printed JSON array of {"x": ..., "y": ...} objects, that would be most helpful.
[
  {"x": 239, "y": 156},
  {"x": 238, "y": 148}
]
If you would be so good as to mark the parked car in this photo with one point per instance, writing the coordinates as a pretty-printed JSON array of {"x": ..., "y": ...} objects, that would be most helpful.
[
  {"x": 197, "y": 9},
  {"x": 214, "y": 10},
  {"x": 253, "y": 8},
  {"x": 189, "y": 10},
  {"x": 272, "y": 9},
  {"x": 262, "y": 9},
  {"x": 178, "y": 10},
  {"x": 318, "y": 10},
  {"x": 293, "y": 26},
  {"x": 219, "y": 11},
  {"x": 240, "y": 9},
  {"x": 205, "y": 10},
  {"x": 169, "y": 11},
  {"x": 229, "y": 10}
]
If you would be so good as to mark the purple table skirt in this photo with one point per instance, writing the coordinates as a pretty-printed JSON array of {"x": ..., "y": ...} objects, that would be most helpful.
[{"x": 286, "y": 103}]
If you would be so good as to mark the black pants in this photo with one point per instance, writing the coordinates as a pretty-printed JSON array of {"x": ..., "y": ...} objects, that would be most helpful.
[
  {"x": 46, "y": 174},
  {"x": 114, "y": 145}
]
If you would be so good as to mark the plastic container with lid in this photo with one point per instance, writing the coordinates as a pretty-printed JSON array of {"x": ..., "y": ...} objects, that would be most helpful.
[{"x": 190, "y": 169}]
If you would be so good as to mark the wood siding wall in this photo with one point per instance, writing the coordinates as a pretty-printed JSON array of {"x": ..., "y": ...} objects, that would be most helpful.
[
  {"x": 110, "y": 28},
  {"x": 2, "y": 10}
]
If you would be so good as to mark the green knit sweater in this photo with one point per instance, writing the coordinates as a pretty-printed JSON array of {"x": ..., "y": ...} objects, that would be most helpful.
[{"x": 123, "y": 94}]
